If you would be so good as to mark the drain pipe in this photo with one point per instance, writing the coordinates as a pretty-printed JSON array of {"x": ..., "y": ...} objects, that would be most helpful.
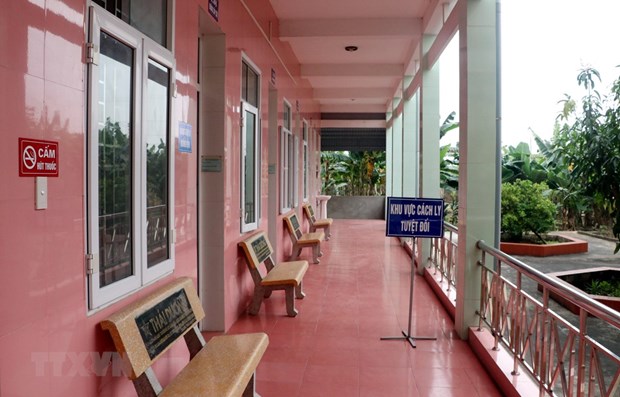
[{"x": 498, "y": 126}]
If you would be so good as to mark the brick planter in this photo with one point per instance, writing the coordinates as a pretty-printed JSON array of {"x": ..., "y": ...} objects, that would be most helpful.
[
  {"x": 572, "y": 246},
  {"x": 577, "y": 278}
]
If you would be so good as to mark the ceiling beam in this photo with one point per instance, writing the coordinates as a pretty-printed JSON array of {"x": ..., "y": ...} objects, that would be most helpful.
[
  {"x": 358, "y": 92},
  {"x": 375, "y": 27},
  {"x": 352, "y": 69},
  {"x": 353, "y": 123},
  {"x": 351, "y": 108}
]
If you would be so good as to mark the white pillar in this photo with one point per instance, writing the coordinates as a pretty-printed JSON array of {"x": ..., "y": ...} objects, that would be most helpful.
[
  {"x": 410, "y": 144},
  {"x": 397, "y": 151},
  {"x": 477, "y": 151},
  {"x": 429, "y": 141},
  {"x": 388, "y": 158}
]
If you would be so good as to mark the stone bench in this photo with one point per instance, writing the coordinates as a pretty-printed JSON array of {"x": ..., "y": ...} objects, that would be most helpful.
[
  {"x": 285, "y": 276},
  {"x": 315, "y": 224},
  {"x": 143, "y": 331},
  {"x": 303, "y": 240}
]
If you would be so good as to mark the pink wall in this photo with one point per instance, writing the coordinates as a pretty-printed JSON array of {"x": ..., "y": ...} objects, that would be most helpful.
[{"x": 50, "y": 344}]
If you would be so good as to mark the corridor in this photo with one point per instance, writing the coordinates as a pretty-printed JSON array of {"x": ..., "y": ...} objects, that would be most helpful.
[{"x": 356, "y": 295}]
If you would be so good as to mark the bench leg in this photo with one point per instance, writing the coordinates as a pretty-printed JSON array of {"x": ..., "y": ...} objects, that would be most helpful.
[
  {"x": 326, "y": 231},
  {"x": 299, "y": 294},
  {"x": 316, "y": 252},
  {"x": 147, "y": 385},
  {"x": 194, "y": 341},
  {"x": 249, "y": 389},
  {"x": 290, "y": 301},
  {"x": 257, "y": 300},
  {"x": 296, "y": 252}
]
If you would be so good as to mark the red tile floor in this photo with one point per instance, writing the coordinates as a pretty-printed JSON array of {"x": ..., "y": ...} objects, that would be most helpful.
[{"x": 356, "y": 295}]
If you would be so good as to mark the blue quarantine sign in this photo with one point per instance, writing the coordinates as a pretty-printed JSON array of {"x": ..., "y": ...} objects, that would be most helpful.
[{"x": 414, "y": 217}]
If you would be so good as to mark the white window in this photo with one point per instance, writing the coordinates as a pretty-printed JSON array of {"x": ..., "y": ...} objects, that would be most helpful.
[
  {"x": 130, "y": 169},
  {"x": 295, "y": 173},
  {"x": 288, "y": 162},
  {"x": 305, "y": 160},
  {"x": 250, "y": 147}
]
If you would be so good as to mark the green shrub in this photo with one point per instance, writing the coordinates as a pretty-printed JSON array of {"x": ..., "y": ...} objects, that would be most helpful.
[
  {"x": 604, "y": 288},
  {"x": 526, "y": 208}
]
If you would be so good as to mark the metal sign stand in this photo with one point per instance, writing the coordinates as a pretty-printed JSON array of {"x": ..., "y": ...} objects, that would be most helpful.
[{"x": 407, "y": 336}]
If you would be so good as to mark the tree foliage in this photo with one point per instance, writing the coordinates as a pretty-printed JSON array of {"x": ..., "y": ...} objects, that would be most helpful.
[
  {"x": 526, "y": 208},
  {"x": 448, "y": 157},
  {"x": 589, "y": 138},
  {"x": 353, "y": 173},
  {"x": 520, "y": 163}
]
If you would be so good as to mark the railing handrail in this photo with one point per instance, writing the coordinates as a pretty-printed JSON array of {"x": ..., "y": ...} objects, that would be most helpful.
[
  {"x": 564, "y": 290},
  {"x": 450, "y": 227}
]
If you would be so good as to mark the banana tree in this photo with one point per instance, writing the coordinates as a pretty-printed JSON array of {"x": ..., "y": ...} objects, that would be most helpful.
[
  {"x": 519, "y": 163},
  {"x": 448, "y": 157}
]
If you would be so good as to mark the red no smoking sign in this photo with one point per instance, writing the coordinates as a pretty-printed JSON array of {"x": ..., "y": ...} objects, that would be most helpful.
[{"x": 38, "y": 157}]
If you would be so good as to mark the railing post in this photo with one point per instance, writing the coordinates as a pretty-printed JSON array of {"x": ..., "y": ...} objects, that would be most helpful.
[
  {"x": 581, "y": 353},
  {"x": 519, "y": 313},
  {"x": 544, "y": 344},
  {"x": 449, "y": 256},
  {"x": 496, "y": 293},
  {"x": 483, "y": 291}
]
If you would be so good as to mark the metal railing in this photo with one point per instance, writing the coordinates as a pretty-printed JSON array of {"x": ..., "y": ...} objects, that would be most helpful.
[
  {"x": 443, "y": 255},
  {"x": 115, "y": 237},
  {"x": 567, "y": 354}
]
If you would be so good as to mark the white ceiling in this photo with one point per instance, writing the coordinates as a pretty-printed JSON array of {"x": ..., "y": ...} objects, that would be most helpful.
[{"x": 386, "y": 32}]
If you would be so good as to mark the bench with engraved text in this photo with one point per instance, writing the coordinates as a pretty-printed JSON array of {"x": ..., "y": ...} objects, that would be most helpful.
[
  {"x": 143, "y": 331},
  {"x": 324, "y": 223},
  {"x": 303, "y": 240},
  {"x": 285, "y": 276}
]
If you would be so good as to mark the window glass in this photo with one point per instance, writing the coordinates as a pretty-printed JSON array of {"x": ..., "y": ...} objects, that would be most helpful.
[
  {"x": 287, "y": 174},
  {"x": 295, "y": 171},
  {"x": 249, "y": 85},
  {"x": 284, "y": 170},
  {"x": 287, "y": 116},
  {"x": 115, "y": 146},
  {"x": 305, "y": 160},
  {"x": 250, "y": 171},
  {"x": 156, "y": 120},
  {"x": 244, "y": 81},
  {"x": 148, "y": 16}
]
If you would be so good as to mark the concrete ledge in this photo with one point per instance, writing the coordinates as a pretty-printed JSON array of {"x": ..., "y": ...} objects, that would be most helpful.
[
  {"x": 499, "y": 364},
  {"x": 440, "y": 288},
  {"x": 356, "y": 207}
]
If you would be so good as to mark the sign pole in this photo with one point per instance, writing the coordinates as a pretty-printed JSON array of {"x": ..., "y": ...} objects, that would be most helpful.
[
  {"x": 413, "y": 217},
  {"x": 411, "y": 287},
  {"x": 407, "y": 335}
]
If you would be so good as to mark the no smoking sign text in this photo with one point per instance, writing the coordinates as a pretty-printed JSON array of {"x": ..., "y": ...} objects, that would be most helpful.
[{"x": 38, "y": 157}]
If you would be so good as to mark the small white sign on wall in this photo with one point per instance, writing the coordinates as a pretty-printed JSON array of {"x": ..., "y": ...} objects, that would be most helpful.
[{"x": 185, "y": 137}]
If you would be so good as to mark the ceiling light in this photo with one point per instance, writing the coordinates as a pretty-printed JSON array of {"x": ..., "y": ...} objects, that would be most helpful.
[{"x": 351, "y": 48}]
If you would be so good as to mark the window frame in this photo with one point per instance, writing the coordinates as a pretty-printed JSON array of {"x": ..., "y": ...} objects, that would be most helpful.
[
  {"x": 158, "y": 54},
  {"x": 144, "y": 49},
  {"x": 295, "y": 173},
  {"x": 286, "y": 167},
  {"x": 247, "y": 106},
  {"x": 305, "y": 187}
]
